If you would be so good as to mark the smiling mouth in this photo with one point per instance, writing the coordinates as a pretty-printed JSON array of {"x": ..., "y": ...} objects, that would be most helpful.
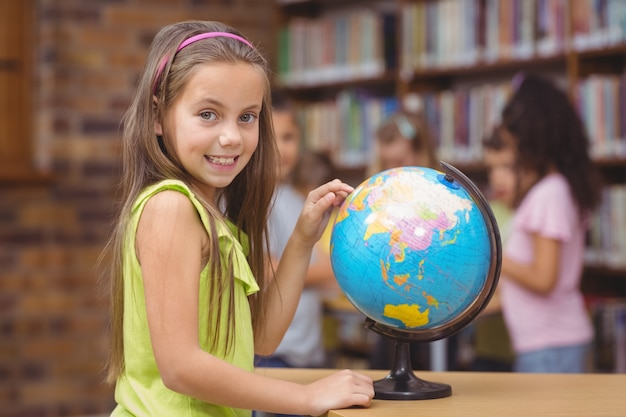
[{"x": 221, "y": 160}]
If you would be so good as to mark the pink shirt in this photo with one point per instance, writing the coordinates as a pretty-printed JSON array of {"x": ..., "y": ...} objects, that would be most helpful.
[{"x": 559, "y": 318}]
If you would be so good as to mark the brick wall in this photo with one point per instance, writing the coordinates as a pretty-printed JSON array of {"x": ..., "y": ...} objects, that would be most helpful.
[{"x": 52, "y": 319}]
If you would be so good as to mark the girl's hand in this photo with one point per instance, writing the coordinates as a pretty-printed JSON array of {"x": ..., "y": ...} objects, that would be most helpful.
[
  {"x": 343, "y": 389},
  {"x": 317, "y": 208}
]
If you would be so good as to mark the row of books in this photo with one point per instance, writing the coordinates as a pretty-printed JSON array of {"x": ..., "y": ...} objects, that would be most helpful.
[
  {"x": 601, "y": 101},
  {"x": 458, "y": 122},
  {"x": 607, "y": 236},
  {"x": 598, "y": 23},
  {"x": 345, "y": 127},
  {"x": 363, "y": 42},
  {"x": 461, "y": 32},
  {"x": 337, "y": 47},
  {"x": 466, "y": 32},
  {"x": 460, "y": 119}
]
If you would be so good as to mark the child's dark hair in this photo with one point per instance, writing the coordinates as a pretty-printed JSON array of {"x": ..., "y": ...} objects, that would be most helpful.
[
  {"x": 314, "y": 169},
  {"x": 550, "y": 133},
  {"x": 281, "y": 101}
]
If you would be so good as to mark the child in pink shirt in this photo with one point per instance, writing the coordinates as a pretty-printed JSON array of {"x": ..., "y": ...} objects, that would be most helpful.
[{"x": 557, "y": 188}]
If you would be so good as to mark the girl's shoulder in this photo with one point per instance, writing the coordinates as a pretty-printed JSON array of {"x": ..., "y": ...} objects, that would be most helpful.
[
  {"x": 169, "y": 196},
  {"x": 183, "y": 188},
  {"x": 226, "y": 229},
  {"x": 161, "y": 186},
  {"x": 552, "y": 186},
  {"x": 550, "y": 194}
]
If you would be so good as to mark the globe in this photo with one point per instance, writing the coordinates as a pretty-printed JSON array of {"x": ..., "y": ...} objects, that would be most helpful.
[{"x": 418, "y": 252}]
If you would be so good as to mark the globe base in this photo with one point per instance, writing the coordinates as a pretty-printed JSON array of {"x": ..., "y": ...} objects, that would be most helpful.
[
  {"x": 413, "y": 388},
  {"x": 402, "y": 384}
]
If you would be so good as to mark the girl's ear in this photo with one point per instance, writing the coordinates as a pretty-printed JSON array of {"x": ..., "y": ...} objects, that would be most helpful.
[{"x": 158, "y": 128}]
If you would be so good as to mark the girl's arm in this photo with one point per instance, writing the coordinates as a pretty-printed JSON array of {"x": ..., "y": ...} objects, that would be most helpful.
[
  {"x": 283, "y": 293},
  {"x": 541, "y": 275},
  {"x": 170, "y": 242}
]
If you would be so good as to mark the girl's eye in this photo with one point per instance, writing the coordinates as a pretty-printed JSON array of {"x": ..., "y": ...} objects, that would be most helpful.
[
  {"x": 248, "y": 118},
  {"x": 208, "y": 115}
]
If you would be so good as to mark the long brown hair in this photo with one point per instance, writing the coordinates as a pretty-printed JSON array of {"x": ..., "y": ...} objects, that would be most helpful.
[
  {"x": 146, "y": 161},
  {"x": 548, "y": 132}
]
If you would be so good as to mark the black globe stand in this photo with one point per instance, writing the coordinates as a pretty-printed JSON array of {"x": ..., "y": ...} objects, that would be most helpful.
[{"x": 402, "y": 384}]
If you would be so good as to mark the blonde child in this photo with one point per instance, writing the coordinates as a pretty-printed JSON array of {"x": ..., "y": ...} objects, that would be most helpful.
[{"x": 403, "y": 140}]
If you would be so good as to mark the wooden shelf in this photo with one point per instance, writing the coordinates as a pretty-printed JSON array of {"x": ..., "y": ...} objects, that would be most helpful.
[
  {"x": 386, "y": 81},
  {"x": 603, "y": 270},
  {"x": 602, "y": 282},
  {"x": 535, "y": 62},
  {"x": 486, "y": 68},
  {"x": 313, "y": 8},
  {"x": 609, "y": 51},
  {"x": 611, "y": 162}
]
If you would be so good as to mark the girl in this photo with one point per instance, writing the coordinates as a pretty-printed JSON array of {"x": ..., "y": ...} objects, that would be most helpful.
[
  {"x": 403, "y": 140},
  {"x": 556, "y": 189},
  {"x": 190, "y": 303}
]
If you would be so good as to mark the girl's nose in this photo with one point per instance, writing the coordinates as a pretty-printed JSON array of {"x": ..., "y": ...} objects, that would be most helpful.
[{"x": 230, "y": 135}]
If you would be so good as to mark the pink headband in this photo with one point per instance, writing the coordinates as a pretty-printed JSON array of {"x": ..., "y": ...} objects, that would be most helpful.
[{"x": 191, "y": 40}]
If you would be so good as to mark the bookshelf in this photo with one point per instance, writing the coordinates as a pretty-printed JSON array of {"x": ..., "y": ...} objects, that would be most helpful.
[{"x": 348, "y": 63}]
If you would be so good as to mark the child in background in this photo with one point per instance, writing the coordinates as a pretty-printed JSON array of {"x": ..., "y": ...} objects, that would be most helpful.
[
  {"x": 189, "y": 296},
  {"x": 404, "y": 140},
  {"x": 313, "y": 169},
  {"x": 303, "y": 344},
  {"x": 491, "y": 343},
  {"x": 557, "y": 189}
]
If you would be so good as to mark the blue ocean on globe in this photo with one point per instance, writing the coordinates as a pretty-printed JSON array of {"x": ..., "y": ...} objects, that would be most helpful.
[{"x": 410, "y": 249}]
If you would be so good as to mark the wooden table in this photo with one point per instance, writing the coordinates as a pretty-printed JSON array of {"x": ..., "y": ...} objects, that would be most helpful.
[{"x": 492, "y": 394}]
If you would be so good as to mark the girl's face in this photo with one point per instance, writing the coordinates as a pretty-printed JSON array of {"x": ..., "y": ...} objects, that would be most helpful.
[
  {"x": 398, "y": 152},
  {"x": 213, "y": 125},
  {"x": 501, "y": 174}
]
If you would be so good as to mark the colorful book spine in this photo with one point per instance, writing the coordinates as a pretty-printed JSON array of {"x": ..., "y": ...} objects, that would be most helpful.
[
  {"x": 457, "y": 33},
  {"x": 460, "y": 119},
  {"x": 344, "y": 127},
  {"x": 601, "y": 102},
  {"x": 607, "y": 234},
  {"x": 339, "y": 46}
]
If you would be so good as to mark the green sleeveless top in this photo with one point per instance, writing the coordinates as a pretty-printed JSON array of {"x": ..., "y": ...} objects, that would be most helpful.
[{"x": 140, "y": 390}]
